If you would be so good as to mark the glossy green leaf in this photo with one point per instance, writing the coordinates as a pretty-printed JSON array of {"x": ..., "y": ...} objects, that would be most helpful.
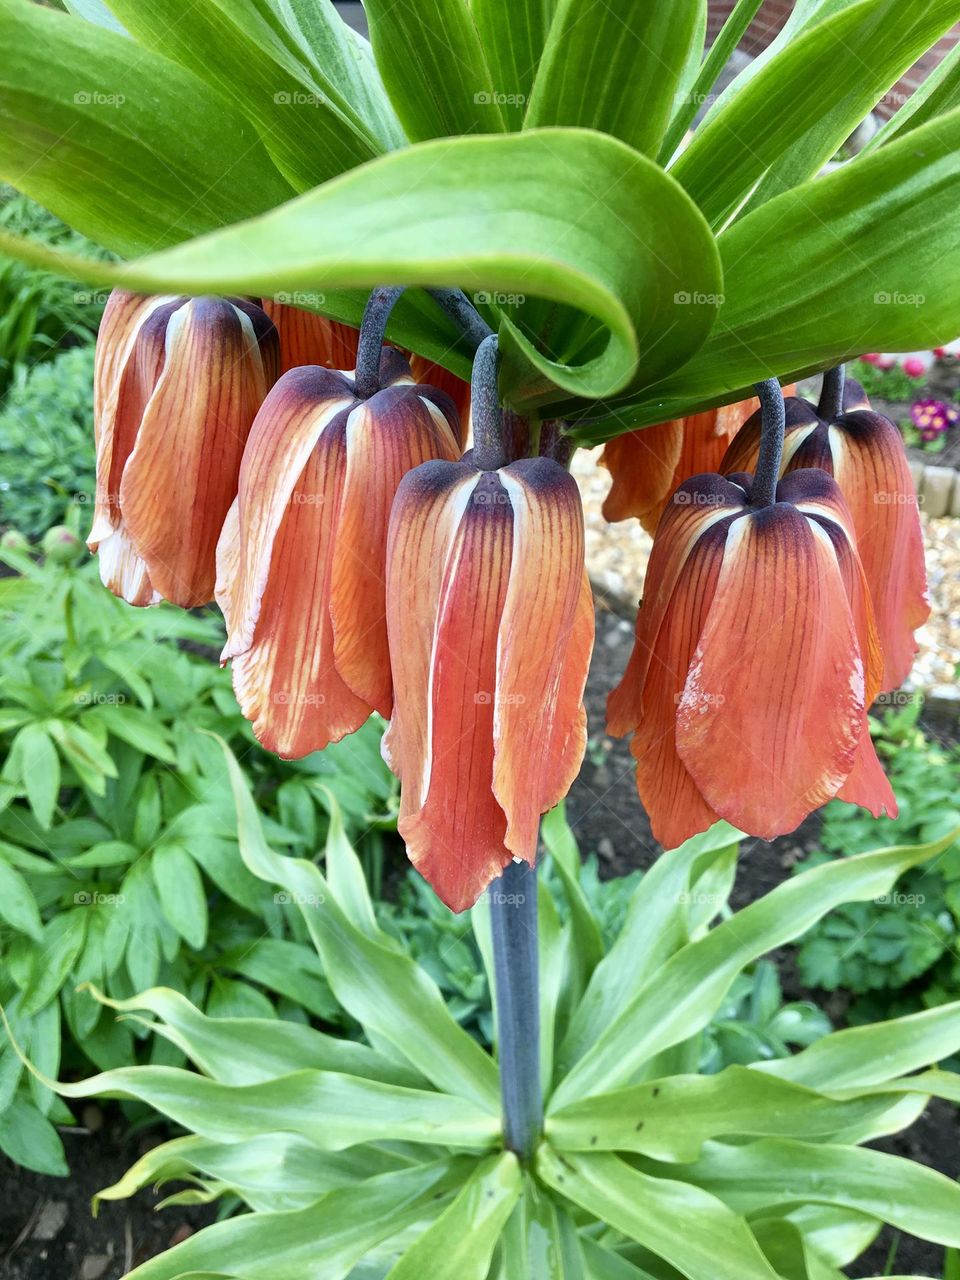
[
  {"x": 385, "y": 990},
  {"x": 483, "y": 213},
  {"x": 345, "y": 876},
  {"x": 788, "y": 1251},
  {"x": 696, "y": 1233},
  {"x": 273, "y": 1171},
  {"x": 32, "y": 762},
  {"x": 671, "y": 1119},
  {"x": 18, "y": 907},
  {"x": 513, "y": 37},
  {"x": 657, "y": 924},
  {"x": 540, "y": 1241},
  {"x": 29, "y": 1139},
  {"x": 681, "y": 997},
  {"x": 289, "y": 968},
  {"x": 604, "y": 1264},
  {"x": 874, "y": 1053},
  {"x": 690, "y": 102},
  {"x": 460, "y": 1244},
  {"x": 323, "y": 1242},
  {"x": 561, "y": 844},
  {"x": 133, "y": 151},
  {"x": 182, "y": 895},
  {"x": 54, "y": 957},
  {"x": 939, "y": 93},
  {"x": 94, "y": 11},
  {"x": 810, "y": 97},
  {"x": 868, "y": 266},
  {"x": 774, "y": 1172},
  {"x": 616, "y": 70},
  {"x": 332, "y": 53},
  {"x": 434, "y": 67},
  {"x": 251, "y": 1050},
  {"x": 332, "y": 1110},
  {"x": 300, "y": 119},
  {"x": 139, "y": 729}
]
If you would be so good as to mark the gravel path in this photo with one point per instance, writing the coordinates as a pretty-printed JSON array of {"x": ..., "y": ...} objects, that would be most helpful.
[{"x": 617, "y": 558}]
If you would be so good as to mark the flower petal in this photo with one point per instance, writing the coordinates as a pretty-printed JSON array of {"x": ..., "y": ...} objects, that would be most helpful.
[
  {"x": 698, "y": 503},
  {"x": 181, "y": 477},
  {"x": 539, "y": 721},
  {"x": 642, "y": 465},
  {"x": 387, "y": 436},
  {"x": 435, "y": 375},
  {"x": 771, "y": 713},
  {"x": 286, "y": 682},
  {"x": 308, "y": 338},
  {"x": 673, "y": 803},
  {"x": 287, "y": 427},
  {"x": 123, "y": 572},
  {"x": 425, "y": 517},
  {"x": 128, "y": 362},
  {"x": 870, "y": 465},
  {"x": 456, "y": 838}
]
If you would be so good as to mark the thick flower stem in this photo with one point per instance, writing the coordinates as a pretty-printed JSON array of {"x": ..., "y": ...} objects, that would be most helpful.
[
  {"x": 463, "y": 313},
  {"x": 489, "y": 451},
  {"x": 831, "y": 393},
  {"x": 513, "y": 914},
  {"x": 773, "y": 422},
  {"x": 373, "y": 328}
]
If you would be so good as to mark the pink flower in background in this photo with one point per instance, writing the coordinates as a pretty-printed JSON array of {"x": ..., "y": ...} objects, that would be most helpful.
[{"x": 933, "y": 417}]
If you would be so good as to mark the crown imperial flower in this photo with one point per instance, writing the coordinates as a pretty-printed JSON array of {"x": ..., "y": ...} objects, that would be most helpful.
[{"x": 177, "y": 382}]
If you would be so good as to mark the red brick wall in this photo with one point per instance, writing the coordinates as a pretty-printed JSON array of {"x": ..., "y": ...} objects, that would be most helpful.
[{"x": 773, "y": 14}]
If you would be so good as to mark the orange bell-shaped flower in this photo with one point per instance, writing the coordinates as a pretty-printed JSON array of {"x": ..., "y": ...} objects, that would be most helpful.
[
  {"x": 756, "y": 658},
  {"x": 309, "y": 338},
  {"x": 436, "y": 375},
  {"x": 491, "y": 628},
  {"x": 647, "y": 465},
  {"x": 300, "y": 565},
  {"x": 864, "y": 452},
  {"x": 177, "y": 383}
]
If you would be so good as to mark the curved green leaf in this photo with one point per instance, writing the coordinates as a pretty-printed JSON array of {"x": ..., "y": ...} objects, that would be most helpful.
[
  {"x": 683, "y": 995},
  {"x": 513, "y": 37},
  {"x": 939, "y": 93},
  {"x": 251, "y": 1050},
  {"x": 566, "y": 215},
  {"x": 323, "y": 1242},
  {"x": 615, "y": 69},
  {"x": 270, "y": 1171},
  {"x": 460, "y": 1244},
  {"x": 774, "y": 1172},
  {"x": 728, "y": 38},
  {"x": 657, "y": 924},
  {"x": 540, "y": 1241},
  {"x": 807, "y": 101},
  {"x": 434, "y": 67},
  {"x": 698, "y": 1234},
  {"x": 309, "y": 129},
  {"x": 875, "y": 1053},
  {"x": 134, "y": 151},
  {"x": 672, "y": 1118},
  {"x": 868, "y": 265},
  {"x": 331, "y": 1110},
  {"x": 383, "y": 989}
]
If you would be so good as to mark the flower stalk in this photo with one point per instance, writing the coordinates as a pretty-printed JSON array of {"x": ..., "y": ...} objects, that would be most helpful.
[
  {"x": 773, "y": 420},
  {"x": 488, "y": 442},
  {"x": 831, "y": 406},
  {"x": 373, "y": 328},
  {"x": 513, "y": 916}
]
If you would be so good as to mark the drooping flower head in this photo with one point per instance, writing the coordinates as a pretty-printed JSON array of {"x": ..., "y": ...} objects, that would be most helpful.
[
  {"x": 490, "y": 622},
  {"x": 864, "y": 452},
  {"x": 300, "y": 565},
  {"x": 177, "y": 383},
  {"x": 756, "y": 658},
  {"x": 647, "y": 465}
]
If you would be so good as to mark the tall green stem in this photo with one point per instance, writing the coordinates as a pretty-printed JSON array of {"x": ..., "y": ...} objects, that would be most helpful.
[{"x": 513, "y": 912}]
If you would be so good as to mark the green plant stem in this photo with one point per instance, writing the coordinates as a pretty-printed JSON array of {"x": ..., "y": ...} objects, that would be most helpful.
[{"x": 513, "y": 915}]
